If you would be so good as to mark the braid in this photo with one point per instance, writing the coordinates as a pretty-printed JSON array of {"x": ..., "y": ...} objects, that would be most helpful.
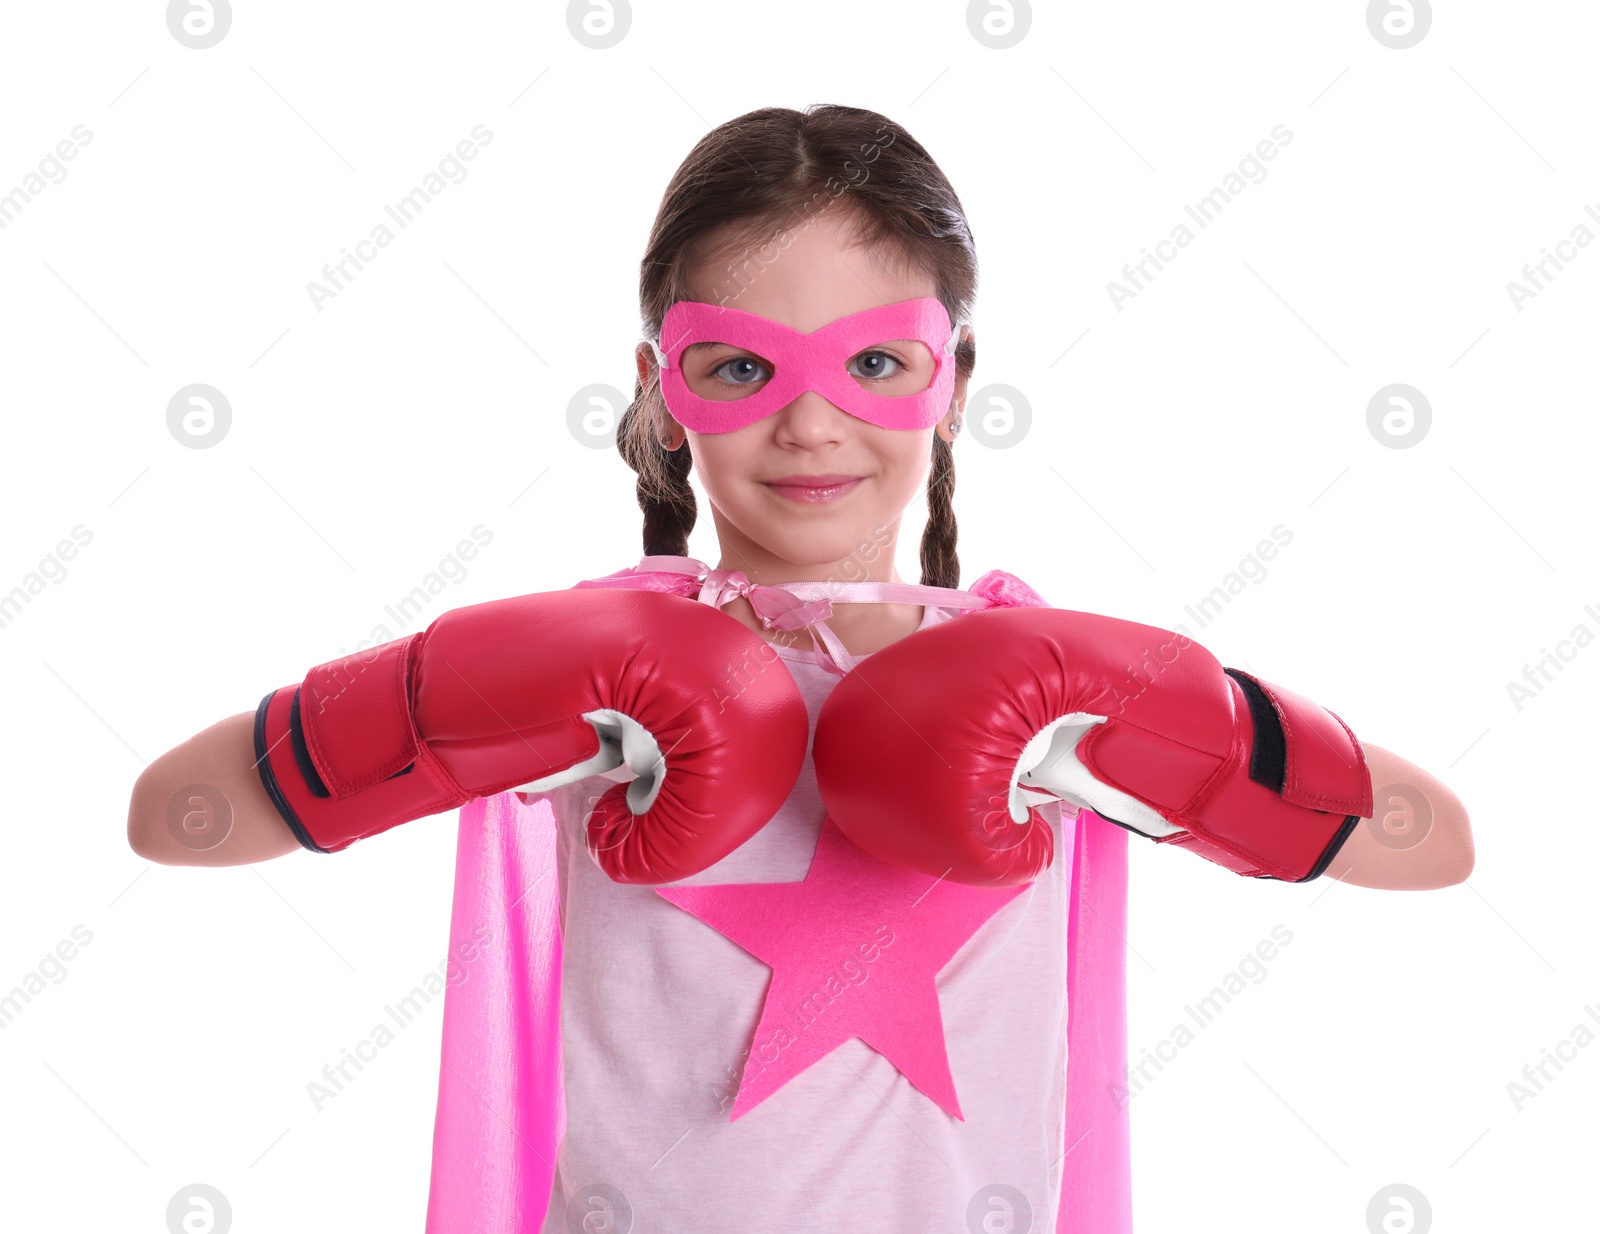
[
  {"x": 941, "y": 567},
  {"x": 669, "y": 515},
  {"x": 662, "y": 487}
]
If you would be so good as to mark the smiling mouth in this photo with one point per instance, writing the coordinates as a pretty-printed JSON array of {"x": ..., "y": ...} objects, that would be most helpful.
[{"x": 814, "y": 490}]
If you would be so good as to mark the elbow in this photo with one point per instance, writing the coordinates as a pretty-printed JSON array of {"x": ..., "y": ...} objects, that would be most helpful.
[
  {"x": 1418, "y": 837},
  {"x": 141, "y": 837},
  {"x": 147, "y": 822},
  {"x": 1452, "y": 857},
  {"x": 1463, "y": 854}
]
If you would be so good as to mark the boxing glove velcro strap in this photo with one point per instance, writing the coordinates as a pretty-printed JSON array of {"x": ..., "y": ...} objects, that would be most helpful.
[
  {"x": 302, "y": 756},
  {"x": 321, "y": 822},
  {"x": 355, "y": 715},
  {"x": 1303, "y": 751},
  {"x": 1279, "y": 802}
]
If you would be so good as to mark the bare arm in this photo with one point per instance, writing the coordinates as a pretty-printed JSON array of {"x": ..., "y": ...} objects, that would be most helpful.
[
  {"x": 1418, "y": 837},
  {"x": 202, "y": 803}
]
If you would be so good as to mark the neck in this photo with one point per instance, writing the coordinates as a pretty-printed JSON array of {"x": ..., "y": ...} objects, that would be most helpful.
[
  {"x": 871, "y": 562},
  {"x": 848, "y": 571},
  {"x": 851, "y": 627}
]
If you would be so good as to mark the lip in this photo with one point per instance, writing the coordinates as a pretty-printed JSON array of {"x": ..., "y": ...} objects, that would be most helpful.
[
  {"x": 823, "y": 480},
  {"x": 814, "y": 489}
]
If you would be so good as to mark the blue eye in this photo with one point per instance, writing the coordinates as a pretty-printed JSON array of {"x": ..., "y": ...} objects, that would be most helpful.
[
  {"x": 749, "y": 371},
  {"x": 878, "y": 370}
]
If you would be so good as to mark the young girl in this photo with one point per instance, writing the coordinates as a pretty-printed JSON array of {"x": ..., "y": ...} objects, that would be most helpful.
[{"x": 616, "y": 1056}]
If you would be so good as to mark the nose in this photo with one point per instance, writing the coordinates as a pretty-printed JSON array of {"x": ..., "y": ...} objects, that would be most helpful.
[{"x": 811, "y": 418}]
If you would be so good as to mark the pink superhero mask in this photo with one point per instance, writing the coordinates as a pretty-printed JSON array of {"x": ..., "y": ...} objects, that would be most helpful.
[{"x": 817, "y": 361}]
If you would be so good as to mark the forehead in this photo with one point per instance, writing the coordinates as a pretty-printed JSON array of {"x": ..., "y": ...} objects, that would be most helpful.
[
  {"x": 889, "y": 331},
  {"x": 805, "y": 272}
]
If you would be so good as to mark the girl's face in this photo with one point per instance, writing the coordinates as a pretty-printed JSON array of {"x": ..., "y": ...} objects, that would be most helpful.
[{"x": 770, "y": 534}]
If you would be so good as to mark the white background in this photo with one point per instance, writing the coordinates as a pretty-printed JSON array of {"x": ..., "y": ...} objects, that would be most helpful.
[{"x": 368, "y": 438}]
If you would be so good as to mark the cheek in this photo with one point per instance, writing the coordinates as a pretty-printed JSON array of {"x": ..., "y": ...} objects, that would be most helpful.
[
  {"x": 723, "y": 460},
  {"x": 906, "y": 465}
]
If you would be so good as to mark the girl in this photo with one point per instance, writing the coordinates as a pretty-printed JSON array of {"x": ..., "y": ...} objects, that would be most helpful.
[{"x": 612, "y": 1058}]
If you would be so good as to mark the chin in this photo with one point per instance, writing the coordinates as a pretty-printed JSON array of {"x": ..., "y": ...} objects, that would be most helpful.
[
  {"x": 819, "y": 547},
  {"x": 816, "y": 535}
]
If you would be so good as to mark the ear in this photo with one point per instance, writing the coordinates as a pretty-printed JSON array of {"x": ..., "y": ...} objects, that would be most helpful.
[
  {"x": 645, "y": 361},
  {"x": 958, "y": 395}
]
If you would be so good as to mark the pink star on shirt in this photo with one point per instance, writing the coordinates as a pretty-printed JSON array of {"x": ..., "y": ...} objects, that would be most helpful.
[{"x": 854, "y": 949}]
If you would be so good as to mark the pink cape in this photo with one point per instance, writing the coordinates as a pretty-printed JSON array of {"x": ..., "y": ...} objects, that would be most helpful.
[{"x": 502, "y": 1111}]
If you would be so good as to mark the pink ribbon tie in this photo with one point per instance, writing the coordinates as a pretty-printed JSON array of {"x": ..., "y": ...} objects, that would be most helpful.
[
  {"x": 780, "y": 609},
  {"x": 786, "y": 606}
]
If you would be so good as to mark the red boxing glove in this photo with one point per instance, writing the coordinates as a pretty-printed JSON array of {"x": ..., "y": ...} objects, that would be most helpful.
[
  {"x": 933, "y": 751},
  {"x": 536, "y": 691}
]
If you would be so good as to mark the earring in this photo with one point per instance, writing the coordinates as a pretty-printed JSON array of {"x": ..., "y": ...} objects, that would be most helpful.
[{"x": 955, "y": 427}]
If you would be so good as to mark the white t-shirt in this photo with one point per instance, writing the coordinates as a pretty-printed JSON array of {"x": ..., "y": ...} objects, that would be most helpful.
[{"x": 657, "y": 1014}]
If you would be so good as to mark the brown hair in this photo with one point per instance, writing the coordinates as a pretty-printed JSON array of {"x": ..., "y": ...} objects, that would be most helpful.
[{"x": 764, "y": 172}]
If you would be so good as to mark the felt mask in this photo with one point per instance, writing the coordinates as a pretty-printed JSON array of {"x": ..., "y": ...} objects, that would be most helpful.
[{"x": 910, "y": 389}]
